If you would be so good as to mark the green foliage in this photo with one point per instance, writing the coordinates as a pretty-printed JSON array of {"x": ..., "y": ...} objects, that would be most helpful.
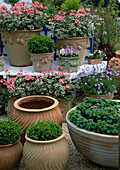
[
  {"x": 69, "y": 5},
  {"x": 13, "y": 2},
  {"x": 51, "y": 12},
  {"x": 41, "y": 44},
  {"x": 44, "y": 131},
  {"x": 96, "y": 55},
  {"x": 97, "y": 115},
  {"x": 3, "y": 101},
  {"x": 10, "y": 132}
]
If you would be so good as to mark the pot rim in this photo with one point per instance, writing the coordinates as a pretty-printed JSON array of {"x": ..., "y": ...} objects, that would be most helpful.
[
  {"x": 45, "y": 142},
  {"x": 22, "y": 30},
  {"x": 2, "y": 146},
  {"x": 103, "y": 136},
  {"x": 74, "y": 38},
  {"x": 71, "y": 58},
  {"x": 55, "y": 104},
  {"x": 43, "y": 53}
]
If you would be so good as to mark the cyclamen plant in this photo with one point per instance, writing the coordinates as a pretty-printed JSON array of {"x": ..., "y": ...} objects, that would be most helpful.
[
  {"x": 96, "y": 55},
  {"x": 23, "y": 16},
  {"x": 78, "y": 24},
  {"x": 69, "y": 52}
]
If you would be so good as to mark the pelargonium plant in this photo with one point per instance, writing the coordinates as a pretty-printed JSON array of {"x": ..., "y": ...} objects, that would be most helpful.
[
  {"x": 69, "y": 52},
  {"x": 97, "y": 115},
  {"x": 78, "y": 24},
  {"x": 23, "y": 16},
  {"x": 96, "y": 55}
]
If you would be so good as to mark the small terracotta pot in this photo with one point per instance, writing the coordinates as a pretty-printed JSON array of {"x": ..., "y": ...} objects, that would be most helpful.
[
  {"x": 99, "y": 148},
  {"x": 110, "y": 97},
  {"x": 29, "y": 110},
  {"x": 10, "y": 155},
  {"x": 118, "y": 53},
  {"x": 42, "y": 62},
  {"x": 95, "y": 61},
  {"x": 2, "y": 62},
  {"x": 64, "y": 106},
  {"x": 46, "y": 155}
]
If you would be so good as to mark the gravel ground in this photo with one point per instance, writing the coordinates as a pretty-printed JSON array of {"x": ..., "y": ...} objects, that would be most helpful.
[{"x": 76, "y": 160}]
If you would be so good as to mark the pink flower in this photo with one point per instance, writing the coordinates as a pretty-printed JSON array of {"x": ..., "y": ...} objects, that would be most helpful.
[
  {"x": 87, "y": 9},
  {"x": 59, "y": 12},
  {"x": 101, "y": 19},
  {"x": 28, "y": 77},
  {"x": 38, "y": 64},
  {"x": 37, "y": 80},
  {"x": 95, "y": 10},
  {"x": 64, "y": 13},
  {"x": 49, "y": 20},
  {"x": 104, "y": 32},
  {"x": 77, "y": 21},
  {"x": 61, "y": 81},
  {"x": 71, "y": 14},
  {"x": 3, "y": 8},
  {"x": 80, "y": 10},
  {"x": 59, "y": 67},
  {"x": 67, "y": 86},
  {"x": 68, "y": 74},
  {"x": 18, "y": 74},
  {"x": 71, "y": 70},
  {"x": 6, "y": 70},
  {"x": 45, "y": 7},
  {"x": 21, "y": 69}
]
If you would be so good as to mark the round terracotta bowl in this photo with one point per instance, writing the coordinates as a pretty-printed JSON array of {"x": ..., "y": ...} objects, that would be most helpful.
[
  {"x": 10, "y": 155},
  {"x": 29, "y": 110},
  {"x": 43, "y": 155},
  {"x": 99, "y": 148}
]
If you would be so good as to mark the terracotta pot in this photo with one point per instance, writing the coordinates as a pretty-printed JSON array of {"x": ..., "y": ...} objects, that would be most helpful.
[
  {"x": 10, "y": 106},
  {"x": 10, "y": 155},
  {"x": 110, "y": 97},
  {"x": 42, "y": 62},
  {"x": 118, "y": 53},
  {"x": 99, "y": 148},
  {"x": 64, "y": 106},
  {"x": 16, "y": 46},
  {"x": 46, "y": 155},
  {"x": 95, "y": 61},
  {"x": 80, "y": 43},
  {"x": 2, "y": 62},
  {"x": 68, "y": 63},
  {"x": 29, "y": 110}
]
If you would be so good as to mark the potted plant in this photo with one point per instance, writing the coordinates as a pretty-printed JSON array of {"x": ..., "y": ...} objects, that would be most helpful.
[
  {"x": 45, "y": 146},
  {"x": 2, "y": 61},
  {"x": 96, "y": 57},
  {"x": 41, "y": 48},
  {"x": 114, "y": 63},
  {"x": 94, "y": 128},
  {"x": 73, "y": 30},
  {"x": 98, "y": 85},
  {"x": 10, "y": 146},
  {"x": 69, "y": 59},
  {"x": 17, "y": 25},
  {"x": 118, "y": 53}
]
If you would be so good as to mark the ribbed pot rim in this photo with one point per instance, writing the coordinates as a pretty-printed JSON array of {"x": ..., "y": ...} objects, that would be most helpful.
[
  {"x": 42, "y": 53},
  {"x": 70, "y": 58},
  {"x": 117, "y": 52},
  {"x": 99, "y": 136},
  {"x": 45, "y": 142},
  {"x": 22, "y": 30},
  {"x": 17, "y": 102},
  {"x": 74, "y": 38},
  {"x": 2, "y": 146}
]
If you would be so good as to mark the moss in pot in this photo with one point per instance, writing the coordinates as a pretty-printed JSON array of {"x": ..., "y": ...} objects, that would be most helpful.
[{"x": 46, "y": 146}]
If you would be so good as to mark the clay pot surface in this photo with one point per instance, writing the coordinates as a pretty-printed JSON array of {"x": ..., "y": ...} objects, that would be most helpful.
[
  {"x": 42, "y": 62},
  {"x": 2, "y": 62},
  {"x": 29, "y": 110},
  {"x": 10, "y": 155},
  {"x": 99, "y": 148},
  {"x": 46, "y": 155},
  {"x": 79, "y": 43},
  {"x": 118, "y": 53},
  {"x": 11, "y": 106},
  {"x": 16, "y": 46},
  {"x": 95, "y": 61}
]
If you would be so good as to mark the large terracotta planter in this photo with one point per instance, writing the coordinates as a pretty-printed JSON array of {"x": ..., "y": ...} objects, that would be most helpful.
[
  {"x": 2, "y": 62},
  {"x": 79, "y": 43},
  {"x": 10, "y": 155},
  {"x": 110, "y": 97},
  {"x": 65, "y": 106},
  {"x": 42, "y": 62},
  {"x": 99, "y": 148},
  {"x": 46, "y": 155},
  {"x": 16, "y": 46},
  {"x": 69, "y": 63},
  {"x": 11, "y": 106},
  {"x": 29, "y": 110},
  {"x": 95, "y": 61}
]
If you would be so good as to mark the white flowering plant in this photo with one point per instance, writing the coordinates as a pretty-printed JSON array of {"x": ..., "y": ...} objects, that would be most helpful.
[{"x": 97, "y": 54}]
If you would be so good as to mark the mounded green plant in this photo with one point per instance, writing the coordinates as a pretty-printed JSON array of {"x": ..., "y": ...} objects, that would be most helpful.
[
  {"x": 10, "y": 132},
  {"x": 69, "y": 5},
  {"x": 41, "y": 44},
  {"x": 97, "y": 115},
  {"x": 44, "y": 131}
]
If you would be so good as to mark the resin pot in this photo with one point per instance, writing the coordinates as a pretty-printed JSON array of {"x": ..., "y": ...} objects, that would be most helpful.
[
  {"x": 95, "y": 61},
  {"x": 42, "y": 62},
  {"x": 99, "y": 148},
  {"x": 2, "y": 62},
  {"x": 10, "y": 155},
  {"x": 79, "y": 43},
  {"x": 46, "y": 155},
  {"x": 16, "y": 46},
  {"x": 29, "y": 110}
]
